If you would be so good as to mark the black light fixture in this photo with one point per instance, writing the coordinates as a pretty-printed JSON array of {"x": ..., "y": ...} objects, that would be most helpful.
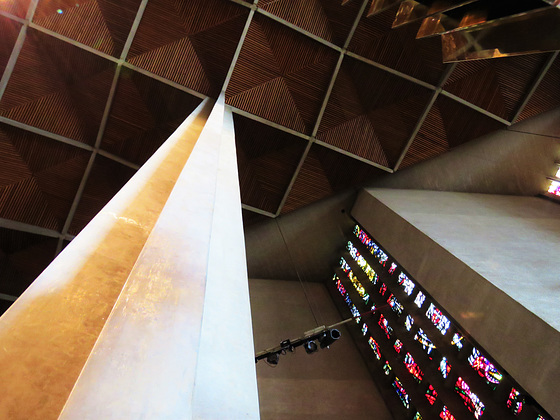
[
  {"x": 325, "y": 335},
  {"x": 329, "y": 337},
  {"x": 310, "y": 346},
  {"x": 272, "y": 358}
]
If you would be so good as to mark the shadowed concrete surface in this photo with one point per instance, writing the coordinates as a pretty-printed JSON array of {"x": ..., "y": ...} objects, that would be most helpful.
[
  {"x": 302, "y": 244},
  {"x": 329, "y": 384}
]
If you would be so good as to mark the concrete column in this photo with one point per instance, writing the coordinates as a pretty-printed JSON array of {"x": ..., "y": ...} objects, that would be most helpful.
[{"x": 122, "y": 323}]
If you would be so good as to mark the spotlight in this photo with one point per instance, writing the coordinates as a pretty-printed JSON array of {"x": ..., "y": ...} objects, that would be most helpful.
[
  {"x": 272, "y": 358},
  {"x": 329, "y": 337},
  {"x": 310, "y": 347}
]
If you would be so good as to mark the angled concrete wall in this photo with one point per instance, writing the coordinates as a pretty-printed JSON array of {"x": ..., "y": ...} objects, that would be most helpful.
[{"x": 491, "y": 262}]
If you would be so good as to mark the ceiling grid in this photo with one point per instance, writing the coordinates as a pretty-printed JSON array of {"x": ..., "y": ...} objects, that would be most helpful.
[{"x": 151, "y": 64}]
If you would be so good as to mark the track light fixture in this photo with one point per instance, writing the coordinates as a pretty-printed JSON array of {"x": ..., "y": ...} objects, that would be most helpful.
[
  {"x": 325, "y": 335},
  {"x": 329, "y": 337},
  {"x": 310, "y": 346}
]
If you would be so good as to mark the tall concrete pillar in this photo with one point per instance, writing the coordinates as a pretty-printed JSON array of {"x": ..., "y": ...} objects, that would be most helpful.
[{"x": 146, "y": 313}]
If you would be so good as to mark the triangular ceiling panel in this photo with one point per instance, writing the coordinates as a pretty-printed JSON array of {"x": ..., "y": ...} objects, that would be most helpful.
[
  {"x": 64, "y": 118},
  {"x": 144, "y": 113},
  {"x": 497, "y": 86},
  {"x": 257, "y": 101},
  {"x": 305, "y": 65},
  {"x": 13, "y": 168},
  {"x": 210, "y": 28},
  {"x": 357, "y": 136},
  {"x": 431, "y": 140},
  {"x": 10, "y": 31},
  {"x": 325, "y": 172},
  {"x": 100, "y": 24},
  {"x": 249, "y": 72},
  {"x": 163, "y": 61},
  {"x": 54, "y": 72},
  {"x": 84, "y": 23},
  {"x": 547, "y": 94},
  {"x": 398, "y": 48},
  {"x": 267, "y": 159},
  {"x": 311, "y": 184},
  {"x": 15, "y": 7},
  {"x": 25, "y": 202}
]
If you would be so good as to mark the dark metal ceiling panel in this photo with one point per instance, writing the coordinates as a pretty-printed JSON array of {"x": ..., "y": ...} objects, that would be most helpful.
[
  {"x": 9, "y": 31},
  {"x": 100, "y": 24},
  {"x": 189, "y": 42},
  {"x": 498, "y": 85},
  {"x": 372, "y": 113},
  {"x": 106, "y": 179},
  {"x": 58, "y": 87},
  {"x": 324, "y": 18},
  {"x": 144, "y": 114},
  {"x": 15, "y": 7},
  {"x": 547, "y": 95},
  {"x": 325, "y": 172},
  {"x": 39, "y": 177},
  {"x": 23, "y": 256},
  {"x": 398, "y": 48},
  {"x": 281, "y": 75},
  {"x": 267, "y": 160}
]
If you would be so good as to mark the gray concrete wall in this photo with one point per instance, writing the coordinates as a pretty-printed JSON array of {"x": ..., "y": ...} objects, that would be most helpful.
[
  {"x": 491, "y": 262},
  {"x": 329, "y": 384},
  {"x": 303, "y": 244}
]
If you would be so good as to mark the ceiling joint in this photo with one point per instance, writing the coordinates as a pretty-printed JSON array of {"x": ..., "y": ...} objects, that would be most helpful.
[
  {"x": 238, "y": 50},
  {"x": 443, "y": 80},
  {"x": 475, "y": 107},
  {"x": 294, "y": 176},
  {"x": 535, "y": 85}
]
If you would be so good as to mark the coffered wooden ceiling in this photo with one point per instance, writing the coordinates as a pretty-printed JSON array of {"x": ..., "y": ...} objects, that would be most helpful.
[{"x": 324, "y": 98}]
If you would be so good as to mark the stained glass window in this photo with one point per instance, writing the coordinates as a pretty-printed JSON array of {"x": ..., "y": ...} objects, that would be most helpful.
[
  {"x": 554, "y": 188},
  {"x": 438, "y": 319},
  {"x": 384, "y": 324},
  {"x": 375, "y": 347},
  {"x": 364, "y": 328},
  {"x": 457, "y": 341},
  {"x": 355, "y": 282},
  {"x": 398, "y": 345},
  {"x": 484, "y": 368},
  {"x": 395, "y": 305},
  {"x": 408, "y": 322},
  {"x": 444, "y": 367},
  {"x": 371, "y": 246},
  {"x": 446, "y": 414},
  {"x": 417, "y": 416},
  {"x": 423, "y": 339},
  {"x": 420, "y": 298},
  {"x": 471, "y": 400},
  {"x": 361, "y": 261},
  {"x": 413, "y": 367},
  {"x": 405, "y": 399},
  {"x": 392, "y": 268},
  {"x": 407, "y": 284},
  {"x": 515, "y": 401},
  {"x": 383, "y": 289},
  {"x": 431, "y": 395},
  {"x": 387, "y": 368}
]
